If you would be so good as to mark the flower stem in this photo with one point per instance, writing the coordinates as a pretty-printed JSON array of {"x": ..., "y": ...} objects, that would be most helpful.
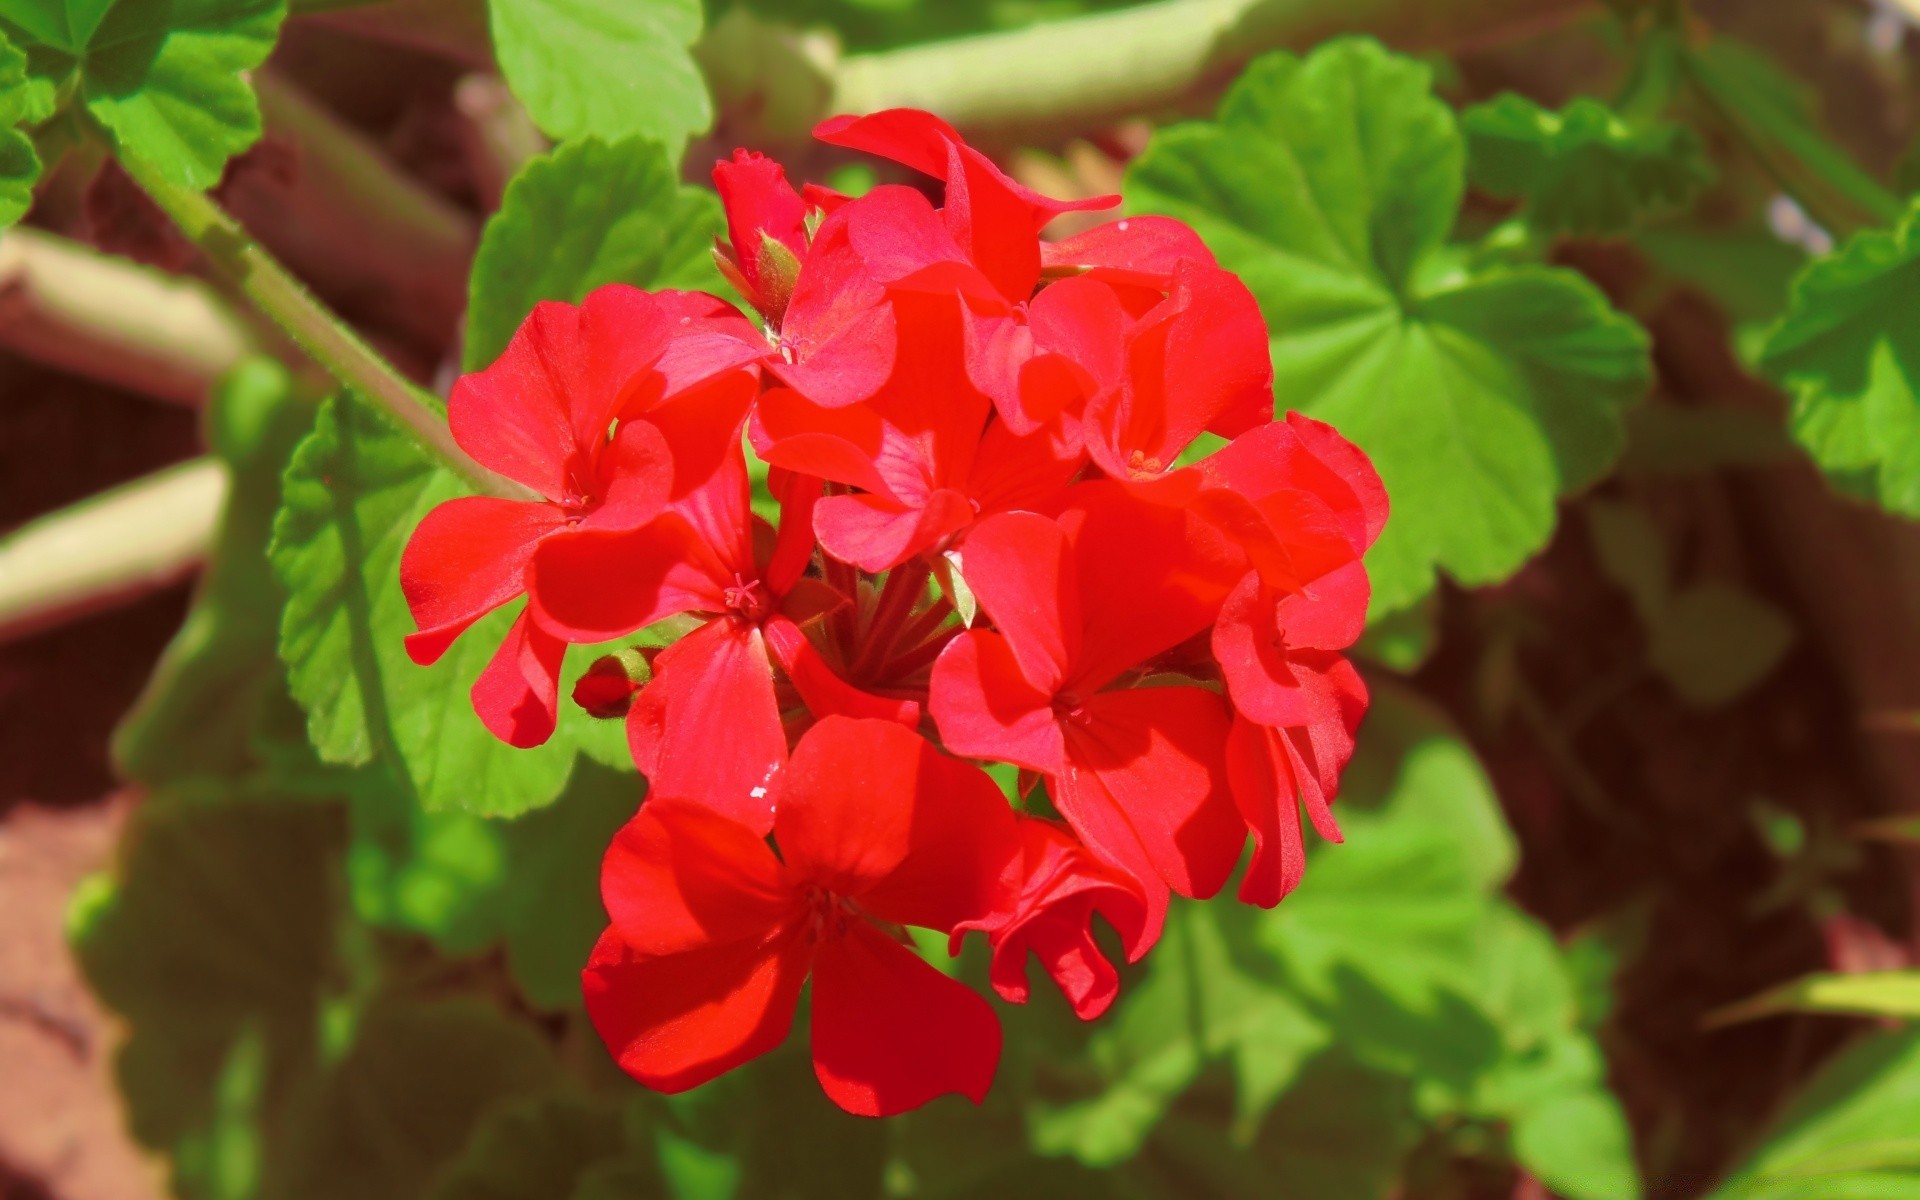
[
  {"x": 1071, "y": 75},
  {"x": 324, "y": 337},
  {"x": 905, "y": 586},
  {"x": 118, "y": 544}
]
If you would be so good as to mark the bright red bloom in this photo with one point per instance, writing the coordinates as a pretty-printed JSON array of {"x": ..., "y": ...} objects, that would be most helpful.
[
  {"x": 1080, "y": 606},
  {"x": 1051, "y": 891},
  {"x": 926, "y": 453},
  {"x": 766, "y": 231},
  {"x": 1305, "y": 505},
  {"x": 708, "y": 554},
  {"x": 712, "y": 935},
  {"x": 541, "y": 415}
]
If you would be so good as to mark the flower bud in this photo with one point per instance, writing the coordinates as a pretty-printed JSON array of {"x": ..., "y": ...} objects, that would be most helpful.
[{"x": 607, "y": 689}]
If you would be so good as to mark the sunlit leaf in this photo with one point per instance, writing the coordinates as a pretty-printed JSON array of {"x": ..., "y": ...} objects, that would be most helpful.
[
  {"x": 589, "y": 213},
  {"x": 604, "y": 68},
  {"x": 1892, "y": 994},
  {"x": 165, "y": 77},
  {"x": 352, "y": 496},
  {"x": 1330, "y": 184},
  {"x": 1849, "y": 351},
  {"x": 1582, "y": 170}
]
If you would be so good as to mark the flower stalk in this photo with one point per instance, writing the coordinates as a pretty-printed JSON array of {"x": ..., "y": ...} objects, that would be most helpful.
[{"x": 325, "y": 338}]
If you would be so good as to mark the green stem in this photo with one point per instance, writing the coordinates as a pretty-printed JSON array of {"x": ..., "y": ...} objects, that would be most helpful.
[
  {"x": 1822, "y": 179},
  {"x": 1071, "y": 75},
  {"x": 139, "y": 536},
  {"x": 71, "y": 307},
  {"x": 323, "y": 336}
]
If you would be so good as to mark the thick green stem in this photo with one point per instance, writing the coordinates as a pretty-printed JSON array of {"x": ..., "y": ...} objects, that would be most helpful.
[
  {"x": 109, "y": 547},
  {"x": 322, "y": 335},
  {"x": 71, "y": 307},
  {"x": 1068, "y": 76}
]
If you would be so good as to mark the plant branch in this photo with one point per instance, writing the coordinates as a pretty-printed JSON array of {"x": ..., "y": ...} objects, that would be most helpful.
[
  {"x": 1067, "y": 76},
  {"x": 353, "y": 225},
  {"x": 323, "y": 336},
  {"x": 104, "y": 318},
  {"x": 107, "y": 548}
]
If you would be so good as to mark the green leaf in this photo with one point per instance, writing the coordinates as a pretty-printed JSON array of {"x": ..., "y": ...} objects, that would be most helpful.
[
  {"x": 589, "y": 213},
  {"x": 604, "y": 68},
  {"x": 23, "y": 101},
  {"x": 536, "y": 1149},
  {"x": 1197, "y": 1005},
  {"x": 1582, "y": 170},
  {"x": 1330, "y": 184},
  {"x": 1849, "y": 352},
  {"x": 1771, "y": 113},
  {"x": 352, "y": 496},
  {"x": 165, "y": 77},
  {"x": 1715, "y": 642},
  {"x": 202, "y": 706},
  {"x": 1889, "y": 994},
  {"x": 1852, "y": 1134},
  {"x": 406, "y": 1097},
  {"x": 213, "y": 941}
]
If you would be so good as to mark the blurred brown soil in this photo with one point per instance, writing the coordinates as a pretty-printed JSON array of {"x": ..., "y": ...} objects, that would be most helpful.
[{"x": 62, "y": 1136}]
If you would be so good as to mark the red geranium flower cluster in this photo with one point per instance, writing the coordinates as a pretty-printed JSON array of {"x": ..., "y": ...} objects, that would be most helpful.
[{"x": 942, "y": 397}]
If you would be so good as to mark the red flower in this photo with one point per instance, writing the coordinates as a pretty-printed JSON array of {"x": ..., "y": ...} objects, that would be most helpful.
[
  {"x": 766, "y": 231},
  {"x": 702, "y": 556},
  {"x": 925, "y": 453},
  {"x": 1050, "y": 893},
  {"x": 712, "y": 935},
  {"x": 1080, "y": 605},
  {"x": 540, "y": 415},
  {"x": 1304, "y": 504}
]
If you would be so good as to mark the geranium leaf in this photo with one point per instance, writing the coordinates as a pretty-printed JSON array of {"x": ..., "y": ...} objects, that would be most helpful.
[
  {"x": 589, "y": 213},
  {"x": 203, "y": 704},
  {"x": 213, "y": 940},
  {"x": 405, "y": 1098},
  {"x": 165, "y": 77},
  {"x": 1849, "y": 351},
  {"x": 1582, "y": 170},
  {"x": 23, "y": 100},
  {"x": 539, "y": 1148},
  {"x": 1330, "y": 185},
  {"x": 604, "y": 68},
  {"x": 352, "y": 496},
  {"x": 1854, "y": 1131},
  {"x": 1890, "y": 994}
]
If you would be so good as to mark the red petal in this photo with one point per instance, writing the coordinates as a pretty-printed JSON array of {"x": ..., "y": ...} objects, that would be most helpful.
[
  {"x": 890, "y": 1032},
  {"x": 635, "y": 476},
  {"x": 517, "y": 696},
  {"x": 870, "y": 810},
  {"x": 465, "y": 559},
  {"x": 837, "y": 339},
  {"x": 985, "y": 708},
  {"x": 1276, "y": 684},
  {"x": 673, "y": 1023},
  {"x": 1018, "y": 566},
  {"x": 707, "y": 728},
  {"x": 1158, "y": 754},
  {"x": 1273, "y": 772},
  {"x": 1150, "y": 576},
  {"x": 1053, "y": 889},
  {"x": 875, "y": 533},
  {"x": 823, "y": 692},
  {"x": 1145, "y": 250},
  {"x": 680, "y": 876},
  {"x": 1198, "y": 362},
  {"x": 591, "y": 586},
  {"x": 540, "y": 413},
  {"x": 839, "y": 444},
  {"x": 758, "y": 199}
]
